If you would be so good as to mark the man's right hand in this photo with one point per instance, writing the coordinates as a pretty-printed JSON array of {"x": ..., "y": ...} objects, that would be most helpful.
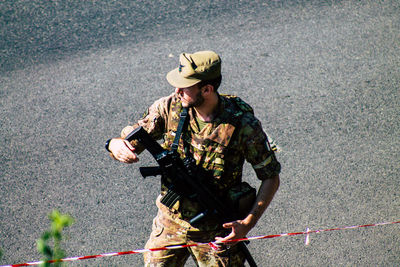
[{"x": 122, "y": 150}]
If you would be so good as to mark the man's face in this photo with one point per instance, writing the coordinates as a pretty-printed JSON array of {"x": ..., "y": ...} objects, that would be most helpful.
[{"x": 190, "y": 96}]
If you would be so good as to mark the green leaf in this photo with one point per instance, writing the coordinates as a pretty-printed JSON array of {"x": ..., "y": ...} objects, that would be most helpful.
[{"x": 58, "y": 223}]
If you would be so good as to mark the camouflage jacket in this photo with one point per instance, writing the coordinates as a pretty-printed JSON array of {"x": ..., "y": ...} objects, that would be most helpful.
[{"x": 222, "y": 146}]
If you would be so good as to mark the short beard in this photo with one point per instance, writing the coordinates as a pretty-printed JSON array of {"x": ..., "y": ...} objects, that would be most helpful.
[{"x": 198, "y": 101}]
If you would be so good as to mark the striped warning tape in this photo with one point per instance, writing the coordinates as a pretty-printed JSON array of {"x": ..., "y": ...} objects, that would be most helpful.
[{"x": 212, "y": 244}]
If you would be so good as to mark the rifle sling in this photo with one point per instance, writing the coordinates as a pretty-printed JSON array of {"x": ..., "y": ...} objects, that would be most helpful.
[
  {"x": 171, "y": 197},
  {"x": 181, "y": 126}
]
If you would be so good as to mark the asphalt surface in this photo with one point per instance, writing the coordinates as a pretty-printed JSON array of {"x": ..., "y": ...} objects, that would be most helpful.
[{"x": 322, "y": 76}]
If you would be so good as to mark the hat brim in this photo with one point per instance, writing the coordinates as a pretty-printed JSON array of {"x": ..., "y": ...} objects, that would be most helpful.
[{"x": 176, "y": 80}]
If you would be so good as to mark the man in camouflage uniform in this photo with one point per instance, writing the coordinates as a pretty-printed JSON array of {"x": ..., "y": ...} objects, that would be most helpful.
[{"x": 222, "y": 133}]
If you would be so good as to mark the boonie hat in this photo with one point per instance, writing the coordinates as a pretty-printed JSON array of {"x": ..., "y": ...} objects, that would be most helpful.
[{"x": 194, "y": 68}]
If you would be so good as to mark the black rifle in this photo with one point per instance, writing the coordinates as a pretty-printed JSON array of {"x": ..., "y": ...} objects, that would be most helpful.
[{"x": 183, "y": 178}]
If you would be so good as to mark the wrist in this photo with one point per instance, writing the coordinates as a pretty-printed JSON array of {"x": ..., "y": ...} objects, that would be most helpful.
[{"x": 250, "y": 220}]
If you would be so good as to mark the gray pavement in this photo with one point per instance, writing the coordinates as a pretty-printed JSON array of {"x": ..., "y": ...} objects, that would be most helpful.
[{"x": 323, "y": 77}]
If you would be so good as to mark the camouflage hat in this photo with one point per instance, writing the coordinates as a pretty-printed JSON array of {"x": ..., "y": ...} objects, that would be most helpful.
[{"x": 196, "y": 67}]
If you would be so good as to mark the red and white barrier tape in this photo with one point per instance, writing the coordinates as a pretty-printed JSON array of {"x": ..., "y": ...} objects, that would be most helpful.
[{"x": 212, "y": 244}]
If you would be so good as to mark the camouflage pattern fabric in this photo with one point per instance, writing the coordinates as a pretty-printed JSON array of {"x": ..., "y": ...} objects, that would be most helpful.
[
  {"x": 218, "y": 147},
  {"x": 221, "y": 148},
  {"x": 169, "y": 231}
]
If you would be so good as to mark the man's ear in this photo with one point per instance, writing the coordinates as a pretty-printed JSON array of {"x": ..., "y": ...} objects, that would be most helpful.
[{"x": 208, "y": 88}]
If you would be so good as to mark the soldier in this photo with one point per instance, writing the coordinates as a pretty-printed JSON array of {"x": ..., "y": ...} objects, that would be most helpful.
[{"x": 222, "y": 133}]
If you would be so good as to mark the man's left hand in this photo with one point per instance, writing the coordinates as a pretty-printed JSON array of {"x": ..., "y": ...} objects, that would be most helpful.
[{"x": 239, "y": 230}]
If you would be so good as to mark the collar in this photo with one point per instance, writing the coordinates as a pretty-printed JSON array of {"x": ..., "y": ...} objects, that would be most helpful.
[{"x": 220, "y": 129}]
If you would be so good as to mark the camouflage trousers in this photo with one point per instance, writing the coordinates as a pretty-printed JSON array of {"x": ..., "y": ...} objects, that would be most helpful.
[{"x": 167, "y": 230}]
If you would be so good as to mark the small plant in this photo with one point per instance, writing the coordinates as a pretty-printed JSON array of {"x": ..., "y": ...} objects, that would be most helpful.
[{"x": 58, "y": 223}]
